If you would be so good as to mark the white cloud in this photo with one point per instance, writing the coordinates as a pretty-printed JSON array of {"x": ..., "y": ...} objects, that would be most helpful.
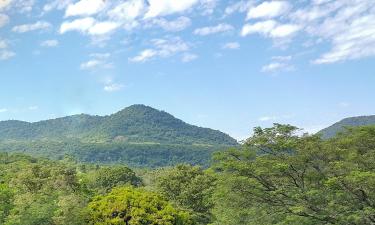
[
  {"x": 102, "y": 28},
  {"x": 270, "y": 28},
  {"x": 112, "y": 87},
  {"x": 56, "y": 4},
  {"x": 81, "y": 25},
  {"x": 188, "y": 57},
  {"x": 24, "y": 6},
  {"x": 239, "y": 6},
  {"x": 3, "y": 110},
  {"x": 178, "y": 24},
  {"x": 223, "y": 27},
  {"x": 264, "y": 27},
  {"x": 276, "y": 67},
  {"x": 282, "y": 58},
  {"x": 352, "y": 37},
  {"x": 231, "y": 45},
  {"x": 344, "y": 104},
  {"x": 4, "y": 19},
  {"x": 89, "y": 26},
  {"x": 144, "y": 55},
  {"x": 91, "y": 64},
  {"x": 128, "y": 10},
  {"x": 162, "y": 48},
  {"x": 94, "y": 64},
  {"x": 284, "y": 30},
  {"x": 39, "y": 25},
  {"x": 98, "y": 60},
  {"x": 166, "y": 7},
  {"x": 348, "y": 26},
  {"x": 4, "y": 4},
  {"x": 49, "y": 43},
  {"x": 6, "y": 54},
  {"x": 269, "y": 9},
  {"x": 100, "y": 55},
  {"x": 278, "y": 64},
  {"x": 85, "y": 8},
  {"x": 267, "y": 118},
  {"x": 208, "y": 6},
  {"x": 169, "y": 47}
]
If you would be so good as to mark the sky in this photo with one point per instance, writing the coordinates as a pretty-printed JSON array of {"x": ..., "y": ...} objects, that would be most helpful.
[{"x": 229, "y": 65}]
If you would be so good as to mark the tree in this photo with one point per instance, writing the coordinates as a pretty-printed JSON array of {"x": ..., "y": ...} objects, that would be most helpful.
[
  {"x": 6, "y": 199},
  {"x": 129, "y": 206},
  {"x": 190, "y": 188},
  {"x": 109, "y": 177},
  {"x": 300, "y": 180}
]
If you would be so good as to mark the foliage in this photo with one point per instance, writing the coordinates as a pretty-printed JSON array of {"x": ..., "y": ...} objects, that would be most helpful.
[
  {"x": 189, "y": 188},
  {"x": 289, "y": 179},
  {"x": 136, "y": 207},
  {"x": 110, "y": 177},
  {"x": 43, "y": 192},
  {"x": 135, "y": 155},
  {"x": 275, "y": 177}
]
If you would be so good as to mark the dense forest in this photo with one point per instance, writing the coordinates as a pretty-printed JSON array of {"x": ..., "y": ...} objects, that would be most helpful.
[
  {"x": 139, "y": 136},
  {"x": 275, "y": 177},
  {"x": 135, "y": 124}
]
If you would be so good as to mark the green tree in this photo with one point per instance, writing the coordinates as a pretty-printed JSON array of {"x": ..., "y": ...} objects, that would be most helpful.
[
  {"x": 282, "y": 178},
  {"x": 190, "y": 188},
  {"x": 109, "y": 177},
  {"x": 126, "y": 205},
  {"x": 6, "y": 199}
]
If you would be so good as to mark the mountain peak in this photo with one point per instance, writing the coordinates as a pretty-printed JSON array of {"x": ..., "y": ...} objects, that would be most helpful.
[
  {"x": 336, "y": 128},
  {"x": 136, "y": 124}
]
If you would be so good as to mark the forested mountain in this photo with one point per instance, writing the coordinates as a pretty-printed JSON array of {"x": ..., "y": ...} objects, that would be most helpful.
[
  {"x": 138, "y": 136},
  {"x": 134, "y": 124},
  {"x": 331, "y": 131}
]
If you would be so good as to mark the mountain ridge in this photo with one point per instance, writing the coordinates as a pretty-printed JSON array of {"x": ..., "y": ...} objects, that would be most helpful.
[
  {"x": 339, "y": 126},
  {"x": 136, "y": 123}
]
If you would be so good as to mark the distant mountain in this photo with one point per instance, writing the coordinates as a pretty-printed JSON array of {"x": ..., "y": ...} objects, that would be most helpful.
[
  {"x": 138, "y": 136},
  {"x": 134, "y": 124},
  {"x": 331, "y": 131}
]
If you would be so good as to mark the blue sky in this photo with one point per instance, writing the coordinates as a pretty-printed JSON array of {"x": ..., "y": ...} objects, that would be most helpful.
[{"x": 228, "y": 65}]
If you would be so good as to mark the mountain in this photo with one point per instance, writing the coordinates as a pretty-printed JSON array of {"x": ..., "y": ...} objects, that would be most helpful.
[
  {"x": 134, "y": 124},
  {"x": 138, "y": 136},
  {"x": 331, "y": 131}
]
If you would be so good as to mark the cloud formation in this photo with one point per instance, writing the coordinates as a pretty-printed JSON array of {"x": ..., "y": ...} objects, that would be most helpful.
[
  {"x": 166, "y": 7},
  {"x": 39, "y": 25},
  {"x": 268, "y": 10},
  {"x": 85, "y": 8},
  {"x": 231, "y": 45},
  {"x": 4, "y": 19},
  {"x": 270, "y": 28},
  {"x": 49, "y": 43},
  {"x": 161, "y": 48},
  {"x": 220, "y": 28}
]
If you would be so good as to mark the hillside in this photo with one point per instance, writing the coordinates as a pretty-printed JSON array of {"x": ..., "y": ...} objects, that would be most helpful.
[
  {"x": 331, "y": 131},
  {"x": 138, "y": 136},
  {"x": 134, "y": 124}
]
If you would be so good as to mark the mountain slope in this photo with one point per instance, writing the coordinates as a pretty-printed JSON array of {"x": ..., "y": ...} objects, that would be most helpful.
[
  {"x": 331, "y": 131},
  {"x": 134, "y": 124}
]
